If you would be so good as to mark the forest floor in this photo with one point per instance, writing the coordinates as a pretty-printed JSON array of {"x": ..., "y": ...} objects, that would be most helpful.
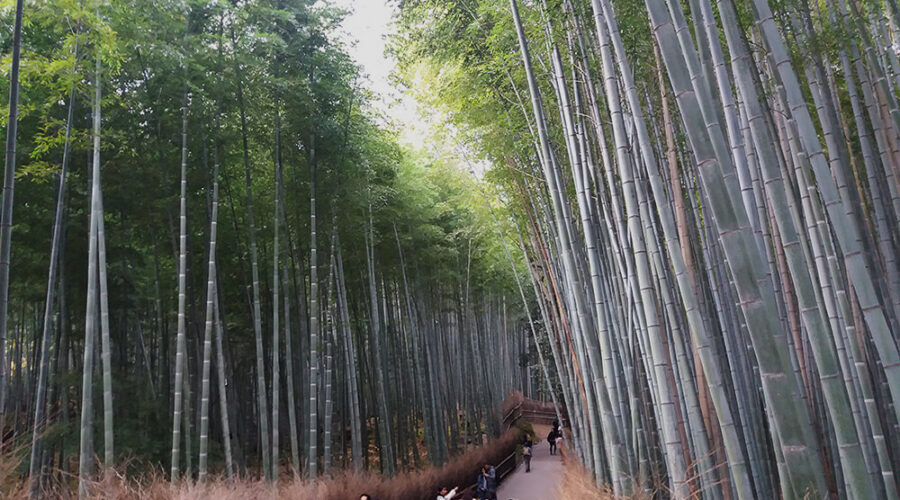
[{"x": 543, "y": 482}]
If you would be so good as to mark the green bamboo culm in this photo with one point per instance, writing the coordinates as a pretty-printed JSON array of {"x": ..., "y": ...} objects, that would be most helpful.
[
  {"x": 6, "y": 204},
  {"x": 36, "y": 472},
  {"x": 93, "y": 312}
]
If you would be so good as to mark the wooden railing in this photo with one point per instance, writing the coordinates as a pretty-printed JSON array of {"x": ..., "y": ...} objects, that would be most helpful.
[
  {"x": 516, "y": 407},
  {"x": 503, "y": 469}
]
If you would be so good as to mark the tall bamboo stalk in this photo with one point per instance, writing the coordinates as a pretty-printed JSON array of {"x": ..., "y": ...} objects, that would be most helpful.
[
  {"x": 181, "y": 342},
  {"x": 35, "y": 470},
  {"x": 313, "y": 422},
  {"x": 261, "y": 392},
  {"x": 6, "y": 209},
  {"x": 86, "y": 459}
]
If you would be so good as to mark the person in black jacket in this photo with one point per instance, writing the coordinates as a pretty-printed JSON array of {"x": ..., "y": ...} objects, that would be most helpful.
[{"x": 526, "y": 453}]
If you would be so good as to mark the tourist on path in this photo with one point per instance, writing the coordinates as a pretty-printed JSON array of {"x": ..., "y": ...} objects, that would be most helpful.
[
  {"x": 486, "y": 486},
  {"x": 526, "y": 453},
  {"x": 447, "y": 495},
  {"x": 551, "y": 438}
]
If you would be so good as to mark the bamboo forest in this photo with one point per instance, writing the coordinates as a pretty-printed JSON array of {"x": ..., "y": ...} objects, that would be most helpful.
[{"x": 342, "y": 249}]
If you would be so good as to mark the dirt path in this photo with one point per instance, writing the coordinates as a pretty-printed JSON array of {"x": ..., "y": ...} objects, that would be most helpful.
[{"x": 542, "y": 482}]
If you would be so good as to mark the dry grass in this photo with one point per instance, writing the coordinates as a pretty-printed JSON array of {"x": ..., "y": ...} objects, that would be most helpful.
[
  {"x": 578, "y": 483},
  {"x": 518, "y": 399},
  {"x": 10, "y": 463},
  {"x": 154, "y": 485}
]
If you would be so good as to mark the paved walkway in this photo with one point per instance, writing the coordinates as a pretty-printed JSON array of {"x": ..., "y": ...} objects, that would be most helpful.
[{"x": 542, "y": 482}]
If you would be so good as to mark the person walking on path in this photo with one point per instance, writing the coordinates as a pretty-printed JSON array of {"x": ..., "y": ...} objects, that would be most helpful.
[
  {"x": 526, "y": 453},
  {"x": 481, "y": 485},
  {"x": 548, "y": 473},
  {"x": 551, "y": 438},
  {"x": 486, "y": 487},
  {"x": 447, "y": 495}
]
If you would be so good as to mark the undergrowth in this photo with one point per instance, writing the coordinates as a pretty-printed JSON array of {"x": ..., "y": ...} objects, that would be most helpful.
[{"x": 154, "y": 484}]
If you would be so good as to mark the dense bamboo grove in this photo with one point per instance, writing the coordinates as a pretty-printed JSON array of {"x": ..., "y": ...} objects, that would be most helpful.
[
  {"x": 707, "y": 197},
  {"x": 223, "y": 264},
  {"x": 687, "y": 230}
]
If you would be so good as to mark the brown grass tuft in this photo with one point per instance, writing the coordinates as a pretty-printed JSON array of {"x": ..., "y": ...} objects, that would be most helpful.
[{"x": 578, "y": 483}]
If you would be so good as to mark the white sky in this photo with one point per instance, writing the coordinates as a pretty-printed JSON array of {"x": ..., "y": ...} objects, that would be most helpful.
[
  {"x": 366, "y": 29},
  {"x": 368, "y": 24}
]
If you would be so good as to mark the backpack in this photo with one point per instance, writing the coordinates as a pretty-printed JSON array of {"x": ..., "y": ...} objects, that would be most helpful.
[{"x": 526, "y": 451}]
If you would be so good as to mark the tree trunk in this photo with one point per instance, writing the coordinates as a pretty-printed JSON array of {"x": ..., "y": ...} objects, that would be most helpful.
[
  {"x": 261, "y": 392},
  {"x": 86, "y": 461},
  {"x": 35, "y": 471},
  {"x": 181, "y": 343},
  {"x": 6, "y": 204}
]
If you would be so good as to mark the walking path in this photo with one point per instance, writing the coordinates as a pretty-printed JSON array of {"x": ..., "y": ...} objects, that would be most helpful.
[{"x": 542, "y": 482}]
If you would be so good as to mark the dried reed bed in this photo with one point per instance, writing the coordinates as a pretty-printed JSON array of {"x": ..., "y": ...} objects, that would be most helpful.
[
  {"x": 537, "y": 407},
  {"x": 423, "y": 484},
  {"x": 512, "y": 401},
  {"x": 11, "y": 461},
  {"x": 517, "y": 399},
  {"x": 578, "y": 483}
]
